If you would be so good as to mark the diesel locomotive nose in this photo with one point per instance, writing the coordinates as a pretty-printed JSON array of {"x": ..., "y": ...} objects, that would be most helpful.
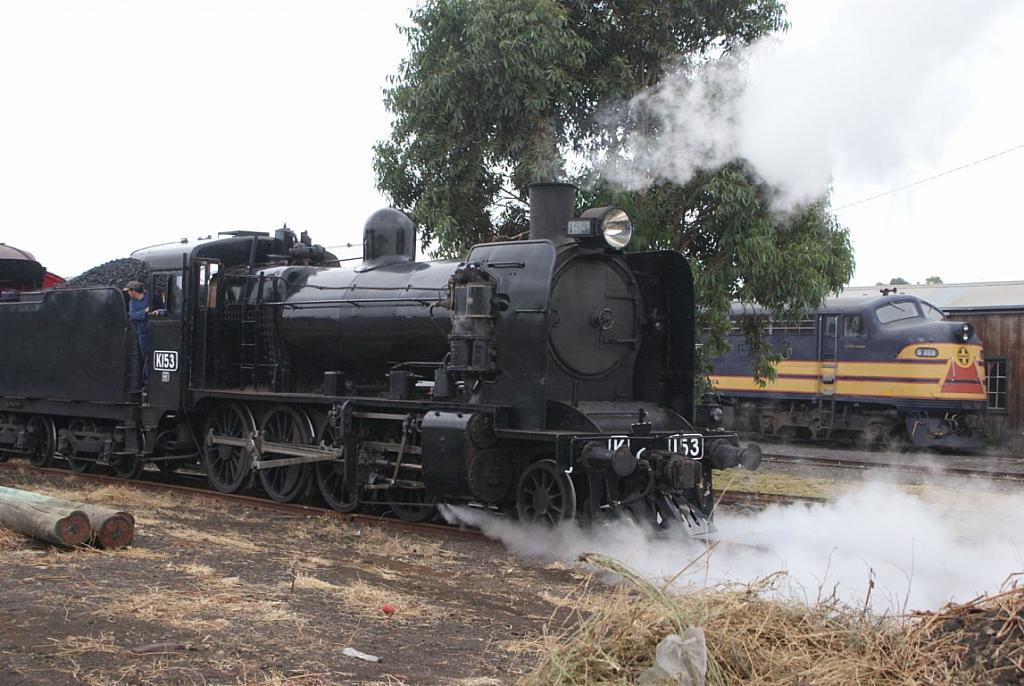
[{"x": 963, "y": 332}]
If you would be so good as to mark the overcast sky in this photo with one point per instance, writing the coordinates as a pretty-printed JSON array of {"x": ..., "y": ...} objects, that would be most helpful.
[{"x": 126, "y": 124}]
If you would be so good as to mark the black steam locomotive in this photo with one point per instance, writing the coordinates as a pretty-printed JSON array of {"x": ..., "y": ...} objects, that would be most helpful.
[{"x": 552, "y": 377}]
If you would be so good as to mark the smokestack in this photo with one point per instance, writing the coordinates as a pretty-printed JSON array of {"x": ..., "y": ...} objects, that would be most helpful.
[{"x": 552, "y": 205}]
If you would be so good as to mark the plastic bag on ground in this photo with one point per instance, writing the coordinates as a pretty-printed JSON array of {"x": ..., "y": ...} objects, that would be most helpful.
[{"x": 679, "y": 659}]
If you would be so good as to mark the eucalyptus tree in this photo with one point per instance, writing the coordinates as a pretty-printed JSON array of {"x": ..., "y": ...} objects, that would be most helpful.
[{"x": 496, "y": 94}]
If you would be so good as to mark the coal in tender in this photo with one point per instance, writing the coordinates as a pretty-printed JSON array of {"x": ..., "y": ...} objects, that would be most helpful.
[{"x": 114, "y": 273}]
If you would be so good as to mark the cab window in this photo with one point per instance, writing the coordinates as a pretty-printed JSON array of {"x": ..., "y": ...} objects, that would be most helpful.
[
  {"x": 853, "y": 326},
  {"x": 166, "y": 292},
  {"x": 894, "y": 312},
  {"x": 931, "y": 312},
  {"x": 174, "y": 293}
]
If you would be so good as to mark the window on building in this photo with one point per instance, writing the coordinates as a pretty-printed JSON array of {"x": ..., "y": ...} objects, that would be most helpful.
[{"x": 996, "y": 379}]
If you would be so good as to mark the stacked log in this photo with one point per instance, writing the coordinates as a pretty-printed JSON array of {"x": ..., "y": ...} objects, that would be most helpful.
[{"x": 64, "y": 522}]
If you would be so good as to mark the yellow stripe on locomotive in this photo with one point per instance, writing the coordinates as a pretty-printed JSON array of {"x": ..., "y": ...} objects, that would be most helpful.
[
  {"x": 847, "y": 371},
  {"x": 945, "y": 376}
]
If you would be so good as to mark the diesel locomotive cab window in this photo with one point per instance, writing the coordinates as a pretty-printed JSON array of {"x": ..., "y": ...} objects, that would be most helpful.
[
  {"x": 996, "y": 381},
  {"x": 931, "y": 312},
  {"x": 894, "y": 312},
  {"x": 853, "y": 326}
]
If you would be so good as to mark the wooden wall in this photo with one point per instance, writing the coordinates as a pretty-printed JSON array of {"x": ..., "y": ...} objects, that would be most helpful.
[{"x": 1002, "y": 334}]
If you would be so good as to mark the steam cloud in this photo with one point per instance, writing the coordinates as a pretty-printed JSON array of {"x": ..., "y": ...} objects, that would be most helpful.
[
  {"x": 868, "y": 86},
  {"x": 919, "y": 554}
]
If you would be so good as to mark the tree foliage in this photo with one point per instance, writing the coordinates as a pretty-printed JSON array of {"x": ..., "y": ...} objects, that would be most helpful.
[{"x": 496, "y": 94}]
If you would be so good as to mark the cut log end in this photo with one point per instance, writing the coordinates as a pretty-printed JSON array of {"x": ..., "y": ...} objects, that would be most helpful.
[
  {"x": 116, "y": 531},
  {"x": 73, "y": 530}
]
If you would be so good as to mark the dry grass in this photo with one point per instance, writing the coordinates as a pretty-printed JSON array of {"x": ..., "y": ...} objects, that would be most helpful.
[
  {"x": 366, "y": 598},
  {"x": 579, "y": 599},
  {"x": 195, "y": 569},
  {"x": 751, "y": 640},
  {"x": 216, "y": 603},
  {"x": 988, "y": 633},
  {"x": 191, "y": 537},
  {"x": 782, "y": 484},
  {"x": 259, "y": 598},
  {"x": 9, "y": 540},
  {"x": 400, "y": 546},
  {"x": 117, "y": 497},
  {"x": 127, "y": 497},
  {"x": 377, "y": 570},
  {"x": 80, "y": 645},
  {"x": 305, "y": 581}
]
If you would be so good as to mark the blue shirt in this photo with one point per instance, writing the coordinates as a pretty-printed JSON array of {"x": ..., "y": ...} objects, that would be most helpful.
[{"x": 137, "y": 315}]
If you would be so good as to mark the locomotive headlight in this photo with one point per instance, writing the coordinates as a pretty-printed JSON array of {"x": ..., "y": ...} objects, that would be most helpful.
[
  {"x": 716, "y": 414},
  {"x": 610, "y": 223},
  {"x": 964, "y": 333},
  {"x": 617, "y": 228}
]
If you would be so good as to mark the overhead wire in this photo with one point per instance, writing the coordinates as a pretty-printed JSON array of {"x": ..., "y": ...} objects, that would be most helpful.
[{"x": 930, "y": 178}]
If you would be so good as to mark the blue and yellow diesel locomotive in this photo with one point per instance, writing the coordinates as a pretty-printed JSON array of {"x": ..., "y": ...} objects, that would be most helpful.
[{"x": 889, "y": 370}]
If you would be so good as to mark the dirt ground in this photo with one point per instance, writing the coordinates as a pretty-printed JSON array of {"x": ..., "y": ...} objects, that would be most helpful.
[{"x": 213, "y": 594}]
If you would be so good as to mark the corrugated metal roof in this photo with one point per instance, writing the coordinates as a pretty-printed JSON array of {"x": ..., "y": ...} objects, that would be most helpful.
[{"x": 957, "y": 297}]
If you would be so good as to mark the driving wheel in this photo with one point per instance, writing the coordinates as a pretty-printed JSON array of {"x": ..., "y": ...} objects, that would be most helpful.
[
  {"x": 228, "y": 467},
  {"x": 545, "y": 494},
  {"x": 412, "y": 504},
  {"x": 330, "y": 477},
  {"x": 283, "y": 424}
]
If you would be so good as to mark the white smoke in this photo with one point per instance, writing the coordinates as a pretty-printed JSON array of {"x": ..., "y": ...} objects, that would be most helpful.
[
  {"x": 867, "y": 86},
  {"x": 916, "y": 554}
]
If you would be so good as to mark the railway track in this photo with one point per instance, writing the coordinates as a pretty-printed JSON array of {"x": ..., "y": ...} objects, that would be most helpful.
[
  {"x": 757, "y": 500},
  {"x": 156, "y": 482},
  {"x": 152, "y": 482},
  {"x": 905, "y": 467}
]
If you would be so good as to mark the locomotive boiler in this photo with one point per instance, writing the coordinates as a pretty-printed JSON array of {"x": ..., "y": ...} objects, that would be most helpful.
[{"x": 551, "y": 377}]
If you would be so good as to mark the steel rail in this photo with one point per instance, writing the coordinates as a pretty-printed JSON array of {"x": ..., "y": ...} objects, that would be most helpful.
[
  {"x": 867, "y": 465},
  {"x": 762, "y": 500}
]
